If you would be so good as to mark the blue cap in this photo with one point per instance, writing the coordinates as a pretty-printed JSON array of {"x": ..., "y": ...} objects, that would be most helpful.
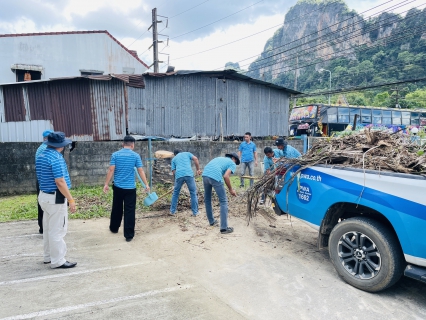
[
  {"x": 46, "y": 133},
  {"x": 57, "y": 139}
]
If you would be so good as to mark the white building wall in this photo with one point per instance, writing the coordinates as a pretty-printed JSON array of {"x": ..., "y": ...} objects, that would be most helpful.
[{"x": 63, "y": 55}]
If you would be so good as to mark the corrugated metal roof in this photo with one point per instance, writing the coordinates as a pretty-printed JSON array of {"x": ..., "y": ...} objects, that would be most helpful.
[
  {"x": 222, "y": 74},
  {"x": 132, "y": 80}
]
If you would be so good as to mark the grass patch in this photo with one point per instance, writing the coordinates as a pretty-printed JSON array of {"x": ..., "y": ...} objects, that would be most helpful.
[
  {"x": 18, "y": 208},
  {"x": 91, "y": 202}
]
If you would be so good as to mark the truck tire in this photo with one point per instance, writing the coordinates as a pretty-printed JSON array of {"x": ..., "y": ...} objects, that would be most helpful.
[{"x": 366, "y": 254}]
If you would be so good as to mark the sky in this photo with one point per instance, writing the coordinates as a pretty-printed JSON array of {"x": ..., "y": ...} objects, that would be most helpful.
[{"x": 193, "y": 26}]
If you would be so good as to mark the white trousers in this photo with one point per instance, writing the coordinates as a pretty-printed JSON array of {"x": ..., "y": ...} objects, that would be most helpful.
[{"x": 55, "y": 225}]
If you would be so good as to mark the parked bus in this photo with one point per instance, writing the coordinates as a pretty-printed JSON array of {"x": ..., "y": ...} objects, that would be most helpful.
[{"x": 304, "y": 119}]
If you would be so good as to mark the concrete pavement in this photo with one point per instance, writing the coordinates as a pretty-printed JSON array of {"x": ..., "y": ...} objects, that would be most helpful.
[{"x": 180, "y": 268}]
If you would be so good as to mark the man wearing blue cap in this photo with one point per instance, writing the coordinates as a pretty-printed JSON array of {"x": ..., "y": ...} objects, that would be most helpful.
[
  {"x": 40, "y": 149},
  {"x": 54, "y": 180}
]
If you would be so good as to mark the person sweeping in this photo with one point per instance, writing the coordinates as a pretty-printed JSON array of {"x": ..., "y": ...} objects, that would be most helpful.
[
  {"x": 182, "y": 172},
  {"x": 215, "y": 172}
]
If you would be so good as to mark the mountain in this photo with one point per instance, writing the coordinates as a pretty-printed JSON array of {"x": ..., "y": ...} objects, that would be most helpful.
[{"x": 358, "y": 50}]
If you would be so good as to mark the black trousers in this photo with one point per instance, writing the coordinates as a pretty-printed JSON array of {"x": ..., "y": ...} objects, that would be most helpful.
[
  {"x": 40, "y": 211},
  {"x": 128, "y": 197}
]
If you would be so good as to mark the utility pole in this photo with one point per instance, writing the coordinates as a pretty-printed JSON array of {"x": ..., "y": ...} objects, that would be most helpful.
[
  {"x": 155, "y": 38},
  {"x": 397, "y": 96},
  {"x": 295, "y": 78},
  {"x": 155, "y": 41},
  {"x": 295, "y": 72}
]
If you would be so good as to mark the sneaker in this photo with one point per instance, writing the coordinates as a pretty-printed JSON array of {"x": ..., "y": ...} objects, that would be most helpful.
[
  {"x": 215, "y": 223},
  {"x": 261, "y": 201},
  {"x": 241, "y": 186},
  {"x": 196, "y": 214},
  {"x": 227, "y": 230},
  {"x": 172, "y": 214}
]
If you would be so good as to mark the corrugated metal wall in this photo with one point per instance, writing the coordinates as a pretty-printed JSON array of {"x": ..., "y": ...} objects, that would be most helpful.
[
  {"x": 108, "y": 109},
  {"x": 23, "y": 131},
  {"x": 39, "y": 101},
  {"x": 71, "y": 107},
  {"x": 84, "y": 109},
  {"x": 14, "y": 108},
  {"x": 188, "y": 105},
  {"x": 179, "y": 106}
]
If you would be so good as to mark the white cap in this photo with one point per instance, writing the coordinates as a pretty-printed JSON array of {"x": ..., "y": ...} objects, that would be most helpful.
[{"x": 414, "y": 130}]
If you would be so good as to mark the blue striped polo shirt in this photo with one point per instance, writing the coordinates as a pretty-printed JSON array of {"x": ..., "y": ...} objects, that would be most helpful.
[
  {"x": 247, "y": 151},
  {"x": 268, "y": 164},
  {"x": 125, "y": 160},
  {"x": 40, "y": 149},
  {"x": 288, "y": 152},
  {"x": 51, "y": 165},
  {"x": 182, "y": 164},
  {"x": 217, "y": 167}
]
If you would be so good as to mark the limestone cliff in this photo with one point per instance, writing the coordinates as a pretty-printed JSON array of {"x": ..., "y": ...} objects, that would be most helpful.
[{"x": 314, "y": 32}]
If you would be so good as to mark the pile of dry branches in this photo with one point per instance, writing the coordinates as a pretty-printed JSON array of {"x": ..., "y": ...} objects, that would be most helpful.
[{"x": 373, "y": 150}]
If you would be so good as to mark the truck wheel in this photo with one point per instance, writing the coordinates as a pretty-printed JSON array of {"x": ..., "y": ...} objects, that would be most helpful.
[{"x": 366, "y": 254}]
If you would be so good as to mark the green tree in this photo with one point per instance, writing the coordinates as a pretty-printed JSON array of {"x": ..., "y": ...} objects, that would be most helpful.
[
  {"x": 366, "y": 70},
  {"x": 356, "y": 99},
  {"x": 382, "y": 99},
  {"x": 379, "y": 57},
  {"x": 416, "y": 99},
  {"x": 405, "y": 57}
]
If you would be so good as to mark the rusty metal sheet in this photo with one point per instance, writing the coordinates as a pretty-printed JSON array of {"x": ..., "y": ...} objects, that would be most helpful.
[
  {"x": 132, "y": 80},
  {"x": 39, "y": 101},
  {"x": 14, "y": 107},
  {"x": 108, "y": 109},
  {"x": 71, "y": 106}
]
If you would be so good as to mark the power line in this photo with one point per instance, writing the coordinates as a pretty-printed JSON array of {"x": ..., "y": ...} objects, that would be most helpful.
[
  {"x": 393, "y": 64},
  {"x": 360, "y": 88},
  {"x": 321, "y": 61},
  {"x": 398, "y": 64},
  {"x": 324, "y": 45},
  {"x": 189, "y": 9},
  {"x": 316, "y": 32},
  {"x": 138, "y": 38},
  {"x": 140, "y": 54},
  {"x": 169, "y": 18},
  {"x": 251, "y": 35},
  {"x": 217, "y": 20},
  {"x": 329, "y": 34}
]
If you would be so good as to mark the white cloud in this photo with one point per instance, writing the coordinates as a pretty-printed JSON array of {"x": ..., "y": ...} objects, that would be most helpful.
[
  {"x": 217, "y": 58},
  {"x": 83, "y": 7},
  {"x": 128, "y": 19}
]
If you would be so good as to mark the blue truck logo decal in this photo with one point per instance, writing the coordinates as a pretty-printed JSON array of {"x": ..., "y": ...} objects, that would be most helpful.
[{"x": 304, "y": 193}]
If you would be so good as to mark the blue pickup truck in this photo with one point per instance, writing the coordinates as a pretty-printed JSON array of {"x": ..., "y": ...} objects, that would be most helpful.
[{"x": 373, "y": 222}]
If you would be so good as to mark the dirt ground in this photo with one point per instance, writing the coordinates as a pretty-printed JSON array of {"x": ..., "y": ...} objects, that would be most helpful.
[{"x": 181, "y": 268}]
